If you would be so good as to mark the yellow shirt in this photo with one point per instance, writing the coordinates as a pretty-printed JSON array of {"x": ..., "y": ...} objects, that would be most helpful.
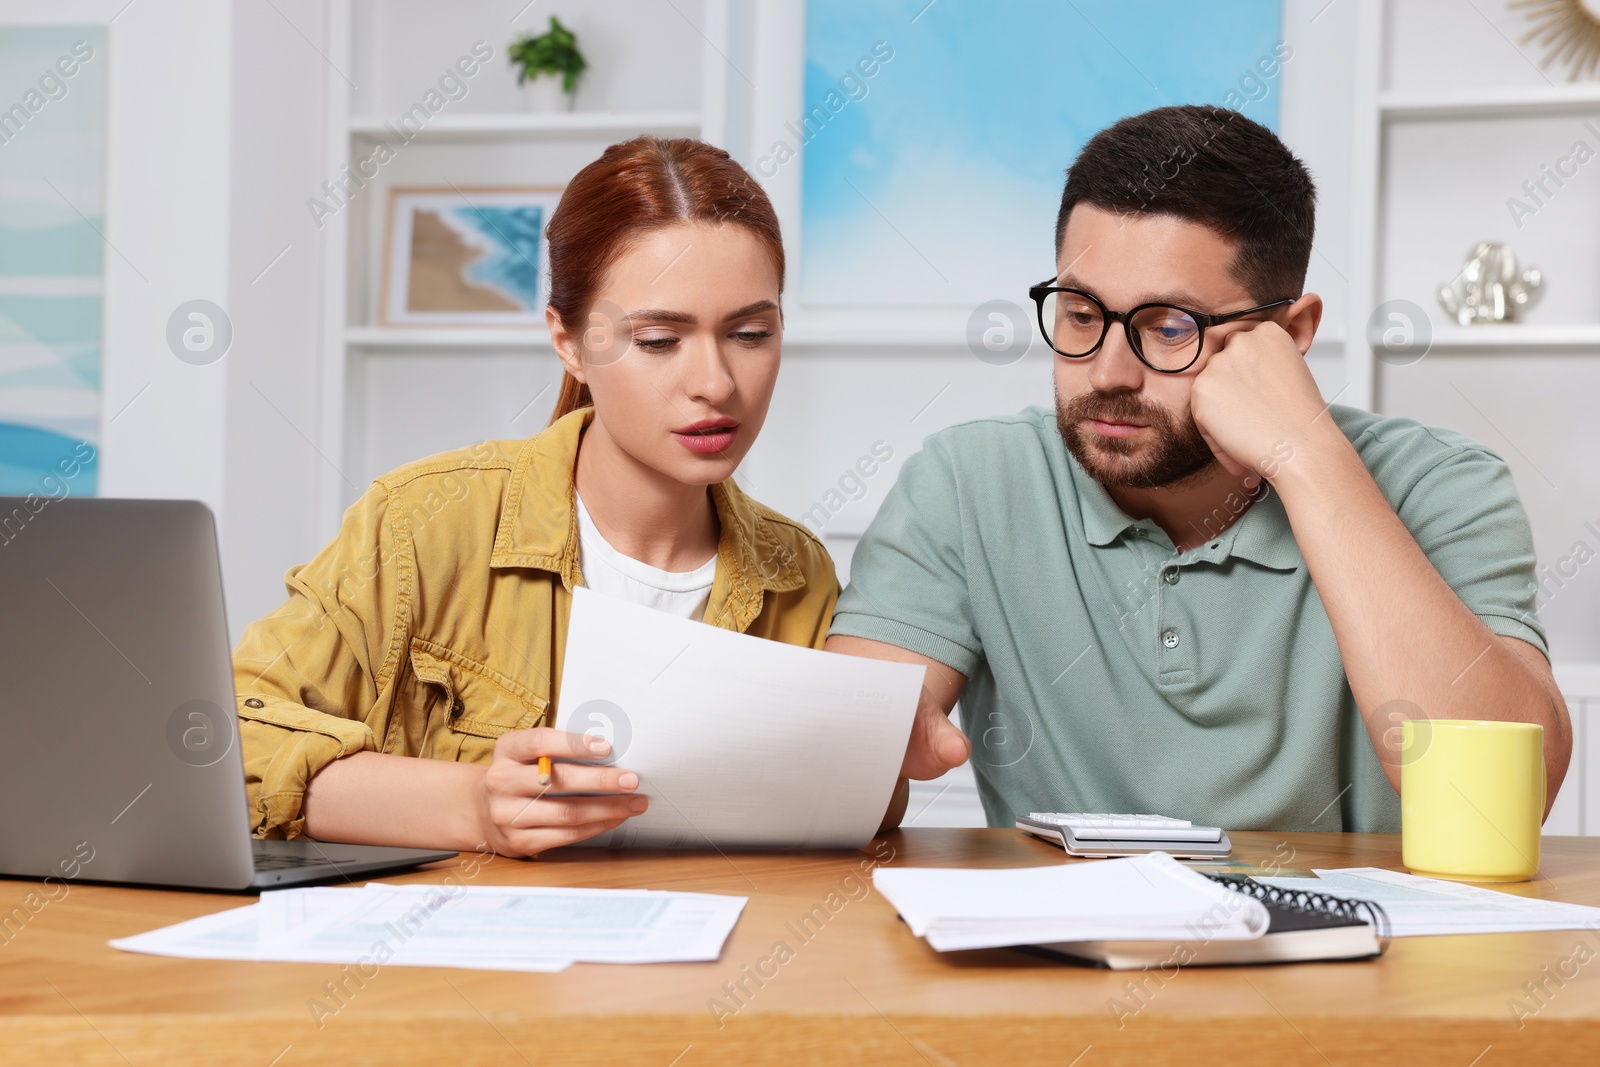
[{"x": 435, "y": 621}]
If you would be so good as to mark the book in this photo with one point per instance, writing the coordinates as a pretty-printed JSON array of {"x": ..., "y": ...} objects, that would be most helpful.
[
  {"x": 1147, "y": 898},
  {"x": 1304, "y": 926}
]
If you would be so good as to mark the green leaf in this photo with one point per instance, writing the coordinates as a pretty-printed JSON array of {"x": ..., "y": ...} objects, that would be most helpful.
[{"x": 554, "y": 52}]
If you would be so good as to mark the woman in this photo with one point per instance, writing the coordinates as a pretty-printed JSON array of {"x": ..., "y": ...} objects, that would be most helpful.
[{"x": 433, "y": 625}]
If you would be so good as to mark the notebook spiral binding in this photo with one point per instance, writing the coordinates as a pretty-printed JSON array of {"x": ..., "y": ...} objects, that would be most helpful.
[{"x": 1305, "y": 900}]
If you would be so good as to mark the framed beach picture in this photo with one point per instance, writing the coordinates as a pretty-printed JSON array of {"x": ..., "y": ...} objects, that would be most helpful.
[{"x": 461, "y": 256}]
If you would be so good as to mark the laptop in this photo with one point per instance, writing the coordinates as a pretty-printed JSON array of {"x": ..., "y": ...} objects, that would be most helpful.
[{"x": 119, "y": 743}]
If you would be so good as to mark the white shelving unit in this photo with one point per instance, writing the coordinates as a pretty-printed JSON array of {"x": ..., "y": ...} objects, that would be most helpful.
[
  {"x": 1462, "y": 144},
  {"x": 1514, "y": 337},
  {"x": 374, "y": 337},
  {"x": 351, "y": 264},
  {"x": 1378, "y": 111},
  {"x": 1510, "y": 102},
  {"x": 556, "y": 124}
]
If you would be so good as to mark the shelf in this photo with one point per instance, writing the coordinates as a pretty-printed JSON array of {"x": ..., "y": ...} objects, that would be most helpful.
[
  {"x": 935, "y": 330},
  {"x": 394, "y": 337},
  {"x": 1541, "y": 338},
  {"x": 829, "y": 336},
  {"x": 1491, "y": 103},
  {"x": 514, "y": 125}
]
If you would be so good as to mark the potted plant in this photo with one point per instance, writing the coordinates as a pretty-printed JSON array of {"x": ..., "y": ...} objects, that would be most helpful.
[{"x": 552, "y": 53}]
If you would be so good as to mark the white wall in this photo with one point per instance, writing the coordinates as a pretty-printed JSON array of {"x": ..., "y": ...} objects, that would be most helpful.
[
  {"x": 211, "y": 147},
  {"x": 167, "y": 224},
  {"x": 274, "y": 297}
]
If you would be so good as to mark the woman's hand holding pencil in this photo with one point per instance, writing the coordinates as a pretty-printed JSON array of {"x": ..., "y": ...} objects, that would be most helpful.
[{"x": 539, "y": 792}]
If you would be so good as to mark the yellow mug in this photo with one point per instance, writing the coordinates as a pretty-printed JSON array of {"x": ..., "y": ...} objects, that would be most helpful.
[{"x": 1472, "y": 795}]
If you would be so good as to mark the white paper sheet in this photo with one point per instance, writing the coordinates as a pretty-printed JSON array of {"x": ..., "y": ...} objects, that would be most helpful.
[
  {"x": 225, "y": 935},
  {"x": 235, "y": 935},
  {"x": 738, "y": 741},
  {"x": 1144, "y": 897},
  {"x": 1418, "y": 906},
  {"x": 512, "y": 928},
  {"x": 495, "y": 925}
]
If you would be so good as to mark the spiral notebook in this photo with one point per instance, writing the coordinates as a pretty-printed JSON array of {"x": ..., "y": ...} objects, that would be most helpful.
[{"x": 1304, "y": 926}]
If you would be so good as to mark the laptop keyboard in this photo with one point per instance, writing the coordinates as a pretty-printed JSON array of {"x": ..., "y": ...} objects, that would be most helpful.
[{"x": 268, "y": 858}]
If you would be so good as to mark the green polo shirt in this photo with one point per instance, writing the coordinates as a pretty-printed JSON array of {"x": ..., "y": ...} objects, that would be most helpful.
[{"x": 1107, "y": 673}]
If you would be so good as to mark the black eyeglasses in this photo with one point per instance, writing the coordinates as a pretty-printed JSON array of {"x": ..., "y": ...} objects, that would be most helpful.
[{"x": 1165, "y": 337}]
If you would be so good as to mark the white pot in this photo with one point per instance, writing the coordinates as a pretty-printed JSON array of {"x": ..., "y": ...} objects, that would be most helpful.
[{"x": 544, "y": 94}]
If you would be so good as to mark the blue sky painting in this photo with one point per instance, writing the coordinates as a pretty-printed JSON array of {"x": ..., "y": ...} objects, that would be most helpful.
[
  {"x": 936, "y": 183},
  {"x": 52, "y": 196}
]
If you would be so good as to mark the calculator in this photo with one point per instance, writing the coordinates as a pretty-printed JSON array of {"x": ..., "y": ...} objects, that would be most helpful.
[{"x": 1098, "y": 835}]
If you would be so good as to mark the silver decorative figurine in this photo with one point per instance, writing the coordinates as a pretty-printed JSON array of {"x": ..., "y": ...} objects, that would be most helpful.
[{"x": 1492, "y": 289}]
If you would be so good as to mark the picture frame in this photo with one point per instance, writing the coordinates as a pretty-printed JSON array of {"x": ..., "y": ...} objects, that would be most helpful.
[
  {"x": 467, "y": 256},
  {"x": 922, "y": 180}
]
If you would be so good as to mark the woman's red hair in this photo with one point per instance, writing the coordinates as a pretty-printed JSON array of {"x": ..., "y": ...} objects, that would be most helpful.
[{"x": 633, "y": 187}]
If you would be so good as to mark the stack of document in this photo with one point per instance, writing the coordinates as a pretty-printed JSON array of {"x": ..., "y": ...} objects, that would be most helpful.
[
  {"x": 1419, "y": 906},
  {"x": 1152, "y": 897},
  {"x": 514, "y": 928}
]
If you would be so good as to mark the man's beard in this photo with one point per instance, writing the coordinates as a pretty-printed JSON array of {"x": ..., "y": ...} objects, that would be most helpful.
[{"x": 1177, "y": 451}]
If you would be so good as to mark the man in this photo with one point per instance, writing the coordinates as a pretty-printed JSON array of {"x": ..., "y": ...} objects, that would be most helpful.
[{"x": 1197, "y": 589}]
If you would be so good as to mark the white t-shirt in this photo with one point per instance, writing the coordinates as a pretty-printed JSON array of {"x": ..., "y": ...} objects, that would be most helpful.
[{"x": 605, "y": 570}]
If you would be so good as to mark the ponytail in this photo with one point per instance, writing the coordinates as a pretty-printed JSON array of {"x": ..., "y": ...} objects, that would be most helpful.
[{"x": 574, "y": 395}]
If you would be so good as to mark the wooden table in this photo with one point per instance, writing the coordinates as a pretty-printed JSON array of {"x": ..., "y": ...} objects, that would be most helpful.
[{"x": 854, "y": 985}]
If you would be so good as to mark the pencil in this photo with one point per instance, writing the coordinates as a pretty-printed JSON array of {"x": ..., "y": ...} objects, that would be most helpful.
[{"x": 544, "y": 770}]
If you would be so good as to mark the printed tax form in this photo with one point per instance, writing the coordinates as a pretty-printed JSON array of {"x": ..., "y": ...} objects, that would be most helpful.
[
  {"x": 738, "y": 741},
  {"x": 506, "y": 928}
]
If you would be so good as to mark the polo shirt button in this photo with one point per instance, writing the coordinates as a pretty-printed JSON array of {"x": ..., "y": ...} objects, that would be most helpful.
[
  {"x": 1170, "y": 576},
  {"x": 1169, "y": 638}
]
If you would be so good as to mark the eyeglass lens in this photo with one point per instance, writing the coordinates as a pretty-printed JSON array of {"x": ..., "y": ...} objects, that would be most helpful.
[{"x": 1167, "y": 337}]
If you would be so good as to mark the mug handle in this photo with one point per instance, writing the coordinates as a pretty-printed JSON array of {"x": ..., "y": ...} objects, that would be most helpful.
[{"x": 1544, "y": 790}]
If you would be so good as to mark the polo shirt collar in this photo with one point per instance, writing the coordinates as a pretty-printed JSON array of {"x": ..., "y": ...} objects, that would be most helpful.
[
  {"x": 1103, "y": 520},
  {"x": 1262, "y": 534}
]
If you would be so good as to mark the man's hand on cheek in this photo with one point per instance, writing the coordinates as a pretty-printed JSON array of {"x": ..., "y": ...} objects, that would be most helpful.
[{"x": 1255, "y": 400}]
